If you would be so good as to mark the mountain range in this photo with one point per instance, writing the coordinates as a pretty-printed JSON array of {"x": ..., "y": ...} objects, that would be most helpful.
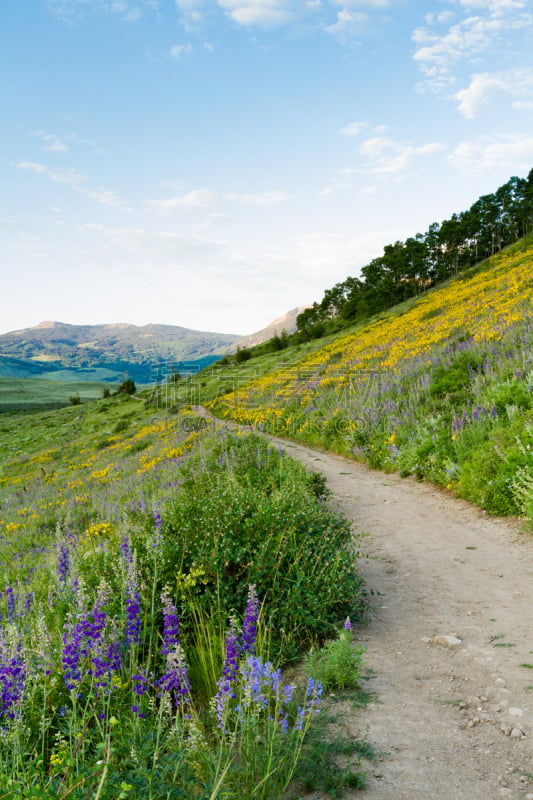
[{"x": 109, "y": 353}]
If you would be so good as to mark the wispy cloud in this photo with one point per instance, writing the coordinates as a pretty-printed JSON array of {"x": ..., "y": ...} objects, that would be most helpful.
[
  {"x": 353, "y": 128},
  {"x": 71, "y": 11},
  {"x": 348, "y": 25},
  {"x": 439, "y": 52},
  {"x": 179, "y": 51},
  {"x": 190, "y": 12},
  {"x": 258, "y": 198},
  {"x": 51, "y": 142},
  {"x": 386, "y": 156},
  {"x": 197, "y": 198},
  {"x": 517, "y": 83},
  {"x": 505, "y": 153},
  {"x": 78, "y": 183},
  {"x": 206, "y": 199},
  {"x": 261, "y": 13}
]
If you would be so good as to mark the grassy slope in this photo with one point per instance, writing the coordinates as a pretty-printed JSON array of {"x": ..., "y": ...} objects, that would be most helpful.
[
  {"x": 31, "y": 393},
  {"x": 440, "y": 387}
]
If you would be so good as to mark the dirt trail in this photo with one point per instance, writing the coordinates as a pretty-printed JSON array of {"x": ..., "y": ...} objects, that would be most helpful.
[
  {"x": 453, "y": 723},
  {"x": 441, "y": 568}
]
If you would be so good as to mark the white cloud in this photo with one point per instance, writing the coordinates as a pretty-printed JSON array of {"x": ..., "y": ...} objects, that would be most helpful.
[
  {"x": 78, "y": 183},
  {"x": 258, "y": 199},
  {"x": 263, "y": 13},
  {"x": 51, "y": 142},
  {"x": 495, "y": 6},
  {"x": 181, "y": 51},
  {"x": 57, "y": 175},
  {"x": 516, "y": 83},
  {"x": 205, "y": 198},
  {"x": 438, "y": 53},
  {"x": 349, "y": 25},
  {"x": 71, "y": 11},
  {"x": 504, "y": 153},
  {"x": 353, "y": 128},
  {"x": 106, "y": 198},
  {"x": 191, "y": 14},
  {"x": 441, "y": 17},
  {"x": 197, "y": 198},
  {"x": 388, "y": 157}
]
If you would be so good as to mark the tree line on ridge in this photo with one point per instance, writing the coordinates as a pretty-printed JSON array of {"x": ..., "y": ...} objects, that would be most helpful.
[{"x": 406, "y": 269}]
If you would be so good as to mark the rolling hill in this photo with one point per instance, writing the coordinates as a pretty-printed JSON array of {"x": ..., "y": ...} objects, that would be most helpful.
[{"x": 108, "y": 353}]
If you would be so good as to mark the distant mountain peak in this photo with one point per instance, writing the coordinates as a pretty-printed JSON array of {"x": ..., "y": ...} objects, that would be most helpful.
[{"x": 287, "y": 322}]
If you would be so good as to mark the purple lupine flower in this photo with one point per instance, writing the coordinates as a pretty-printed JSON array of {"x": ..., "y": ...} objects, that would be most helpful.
[
  {"x": 175, "y": 679},
  {"x": 261, "y": 683},
  {"x": 347, "y": 624},
  {"x": 225, "y": 683},
  {"x": 139, "y": 683},
  {"x": 12, "y": 677},
  {"x": 133, "y": 616},
  {"x": 106, "y": 661},
  {"x": 157, "y": 540},
  {"x": 63, "y": 562},
  {"x": 170, "y": 624},
  {"x": 133, "y": 603},
  {"x": 311, "y": 705},
  {"x": 82, "y": 639},
  {"x": 249, "y": 628},
  {"x": 255, "y": 682},
  {"x": 71, "y": 656},
  {"x": 125, "y": 550},
  {"x": 299, "y": 719},
  {"x": 10, "y": 603}
]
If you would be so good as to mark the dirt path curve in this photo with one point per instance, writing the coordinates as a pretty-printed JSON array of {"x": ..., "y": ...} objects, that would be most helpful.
[{"x": 439, "y": 567}]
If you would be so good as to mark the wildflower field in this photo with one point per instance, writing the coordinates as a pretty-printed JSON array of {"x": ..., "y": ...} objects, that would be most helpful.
[
  {"x": 157, "y": 571},
  {"x": 156, "y": 574},
  {"x": 440, "y": 387}
]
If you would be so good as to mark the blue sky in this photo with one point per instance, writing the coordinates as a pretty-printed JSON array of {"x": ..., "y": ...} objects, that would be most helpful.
[{"x": 214, "y": 163}]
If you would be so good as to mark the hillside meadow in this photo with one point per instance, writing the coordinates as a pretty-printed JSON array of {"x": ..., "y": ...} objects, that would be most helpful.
[
  {"x": 156, "y": 575},
  {"x": 440, "y": 387}
]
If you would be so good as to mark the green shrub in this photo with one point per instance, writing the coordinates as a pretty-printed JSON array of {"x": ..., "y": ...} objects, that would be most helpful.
[
  {"x": 488, "y": 474},
  {"x": 338, "y": 664},
  {"x": 454, "y": 380},
  {"x": 247, "y": 514},
  {"x": 121, "y": 426}
]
